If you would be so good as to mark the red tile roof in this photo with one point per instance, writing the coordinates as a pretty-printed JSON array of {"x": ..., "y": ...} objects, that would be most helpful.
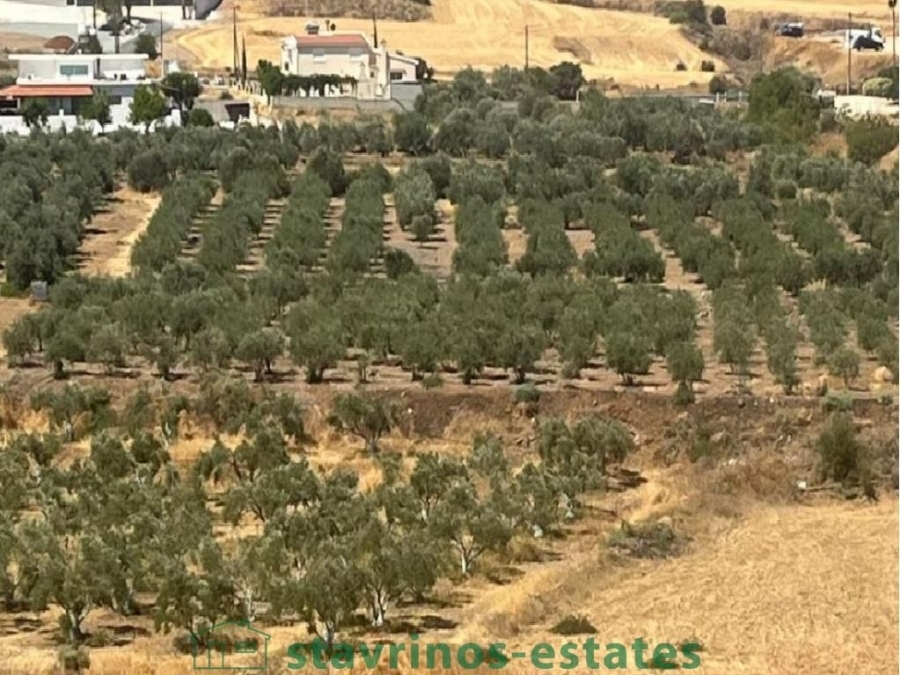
[
  {"x": 46, "y": 90},
  {"x": 334, "y": 41}
]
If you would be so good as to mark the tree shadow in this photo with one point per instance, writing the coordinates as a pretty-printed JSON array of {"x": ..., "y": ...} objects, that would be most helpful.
[
  {"x": 418, "y": 625},
  {"x": 504, "y": 575}
]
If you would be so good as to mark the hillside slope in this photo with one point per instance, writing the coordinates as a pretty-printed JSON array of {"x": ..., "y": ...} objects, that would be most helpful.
[{"x": 631, "y": 48}]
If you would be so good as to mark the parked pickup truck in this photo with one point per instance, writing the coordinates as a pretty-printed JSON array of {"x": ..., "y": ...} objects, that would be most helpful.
[
  {"x": 794, "y": 30},
  {"x": 865, "y": 39}
]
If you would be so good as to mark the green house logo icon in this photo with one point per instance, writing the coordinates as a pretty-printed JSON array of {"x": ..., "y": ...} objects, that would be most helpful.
[{"x": 230, "y": 645}]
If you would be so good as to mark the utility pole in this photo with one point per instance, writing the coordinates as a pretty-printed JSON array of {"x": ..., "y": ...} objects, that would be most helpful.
[
  {"x": 893, "y": 6},
  {"x": 162, "y": 59},
  {"x": 117, "y": 9},
  {"x": 849, "y": 48},
  {"x": 526, "y": 47}
]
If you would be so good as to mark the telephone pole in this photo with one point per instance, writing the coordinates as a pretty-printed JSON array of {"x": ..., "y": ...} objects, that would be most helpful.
[
  {"x": 162, "y": 58},
  {"x": 849, "y": 49},
  {"x": 526, "y": 47},
  {"x": 893, "y": 6},
  {"x": 117, "y": 9}
]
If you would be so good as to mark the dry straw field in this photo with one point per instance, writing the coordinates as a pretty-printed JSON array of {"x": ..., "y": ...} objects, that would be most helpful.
[
  {"x": 629, "y": 47},
  {"x": 632, "y": 48},
  {"x": 769, "y": 586}
]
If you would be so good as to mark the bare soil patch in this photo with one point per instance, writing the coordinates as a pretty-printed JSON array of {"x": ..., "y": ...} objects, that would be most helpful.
[{"x": 113, "y": 231}]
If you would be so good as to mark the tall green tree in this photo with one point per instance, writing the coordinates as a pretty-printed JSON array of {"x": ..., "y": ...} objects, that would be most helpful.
[
  {"x": 97, "y": 109},
  {"x": 148, "y": 106}
]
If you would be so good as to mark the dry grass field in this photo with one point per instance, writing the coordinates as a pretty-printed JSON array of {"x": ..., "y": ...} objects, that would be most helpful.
[
  {"x": 631, "y": 48},
  {"x": 769, "y": 586}
]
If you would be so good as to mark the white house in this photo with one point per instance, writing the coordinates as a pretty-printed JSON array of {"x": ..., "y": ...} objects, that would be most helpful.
[
  {"x": 67, "y": 81},
  {"x": 347, "y": 55}
]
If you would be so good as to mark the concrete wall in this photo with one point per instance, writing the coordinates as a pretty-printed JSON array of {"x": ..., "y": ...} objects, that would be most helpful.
[
  {"x": 119, "y": 114},
  {"x": 335, "y": 103},
  {"x": 49, "y": 69},
  {"x": 860, "y": 106},
  {"x": 406, "y": 70}
]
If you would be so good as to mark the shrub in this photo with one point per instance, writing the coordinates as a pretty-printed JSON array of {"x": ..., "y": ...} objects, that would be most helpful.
[
  {"x": 527, "y": 393},
  {"x": 844, "y": 363},
  {"x": 654, "y": 540},
  {"x": 432, "y": 381},
  {"x": 684, "y": 395},
  {"x": 100, "y": 638},
  {"x": 786, "y": 189},
  {"x": 574, "y": 624},
  {"x": 718, "y": 84},
  {"x": 200, "y": 117},
  {"x": 146, "y": 44},
  {"x": 74, "y": 659},
  {"x": 870, "y": 139},
  {"x": 878, "y": 86},
  {"x": 397, "y": 263},
  {"x": 782, "y": 99},
  {"x": 717, "y": 16},
  {"x": 148, "y": 171},
  {"x": 841, "y": 455},
  {"x": 840, "y": 401}
]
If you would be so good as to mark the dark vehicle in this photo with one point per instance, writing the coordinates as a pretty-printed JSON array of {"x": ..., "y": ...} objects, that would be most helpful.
[
  {"x": 868, "y": 41},
  {"x": 794, "y": 30}
]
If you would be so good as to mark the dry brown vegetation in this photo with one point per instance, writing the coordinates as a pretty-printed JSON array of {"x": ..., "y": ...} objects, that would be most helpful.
[
  {"x": 629, "y": 48},
  {"x": 768, "y": 585}
]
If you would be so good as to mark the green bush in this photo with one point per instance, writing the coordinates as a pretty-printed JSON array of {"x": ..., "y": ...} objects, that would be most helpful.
[
  {"x": 870, "y": 139},
  {"x": 781, "y": 99},
  {"x": 527, "y": 393},
  {"x": 878, "y": 86},
  {"x": 74, "y": 659},
  {"x": 200, "y": 117},
  {"x": 718, "y": 84},
  {"x": 148, "y": 171},
  {"x": 574, "y": 624},
  {"x": 841, "y": 455},
  {"x": 785, "y": 189},
  {"x": 432, "y": 381},
  {"x": 654, "y": 540}
]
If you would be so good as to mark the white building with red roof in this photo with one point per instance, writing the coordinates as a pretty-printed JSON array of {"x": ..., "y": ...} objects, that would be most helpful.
[
  {"x": 347, "y": 55},
  {"x": 66, "y": 82}
]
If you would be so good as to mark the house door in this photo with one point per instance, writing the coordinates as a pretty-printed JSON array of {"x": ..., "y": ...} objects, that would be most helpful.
[{"x": 215, "y": 652}]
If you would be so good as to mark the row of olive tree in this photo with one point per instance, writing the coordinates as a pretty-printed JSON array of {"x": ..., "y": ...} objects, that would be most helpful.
[{"x": 325, "y": 547}]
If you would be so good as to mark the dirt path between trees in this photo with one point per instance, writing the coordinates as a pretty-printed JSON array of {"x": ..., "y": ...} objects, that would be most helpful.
[{"x": 106, "y": 249}]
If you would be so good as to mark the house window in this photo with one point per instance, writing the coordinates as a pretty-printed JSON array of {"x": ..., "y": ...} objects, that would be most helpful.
[
  {"x": 319, "y": 55},
  {"x": 245, "y": 646},
  {"x": 74, "y": 69},
  {"x": 115, "y": 100},
  {"x": 396, "y": 75}
]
